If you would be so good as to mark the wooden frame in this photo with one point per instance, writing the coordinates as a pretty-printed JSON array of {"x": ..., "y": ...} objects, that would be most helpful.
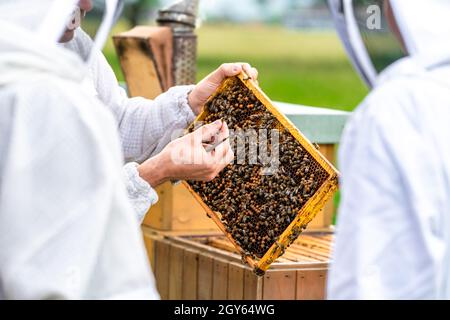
[{"x": 311, "y": 207}]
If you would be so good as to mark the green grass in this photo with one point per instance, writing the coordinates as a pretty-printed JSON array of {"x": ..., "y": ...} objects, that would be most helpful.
[
  {"x": 308, "y": 68},
  {"x": 300, "y": 67}
]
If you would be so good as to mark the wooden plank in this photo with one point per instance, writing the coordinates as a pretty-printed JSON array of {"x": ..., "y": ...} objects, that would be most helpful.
[
  {"x": 176, "y": 272},
  {"x": 235, "y": 281},
  {"x": 279, "y": 285},
  {"x": 178, "y": 211},
  {"x": 318, "y": 249},
  {"x": 159, "y": 216},
  {"x": 312, "y": 245},
  {"x": 191, "y": 235},
  {"x": 220, "y": 279},
  {"x": 187, "y": 213},
  {"x": 204, "y": 248},
  {"x": 282, "y": 260},
  {"x": 311, "y": 284},
  {"x": 318, "y": 221},
  {"x": 329, "y": 237},
  {"x": 299, "y": 265},
  {"x": 223, "y": 244},
  {"x": 162, "y": 250},
  {"x": 313, "y": 241},
  {"x": 293, "y": 256},
  {"x": 150, "y": 249},
  {"x": 320, "y": 256},
  {"x": 309, "y": 254},
  {"x": 138, "y": 66},
  {"x": 252, "y": 285},
  {"x": 205, "y": 277},
  {"x": 324, "y": 243},
  {"x": 328, "y": 150},
  {"x": 153, "y": 43},
  {"x": 190, "y": 274},
  {"x": 296, "y": 257}
]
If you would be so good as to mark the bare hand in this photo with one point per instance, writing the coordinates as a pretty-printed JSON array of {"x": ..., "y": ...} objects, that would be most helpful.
[
  {"x": 210, "y": 83},
  {"x": 187, "y": 159}
]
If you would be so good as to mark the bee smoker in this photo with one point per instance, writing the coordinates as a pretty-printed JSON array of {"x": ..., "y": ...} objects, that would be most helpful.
[{"x": 181, "y": 17}]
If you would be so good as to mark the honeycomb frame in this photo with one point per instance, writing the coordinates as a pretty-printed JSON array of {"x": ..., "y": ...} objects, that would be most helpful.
[{"x": 307, "y": 212}]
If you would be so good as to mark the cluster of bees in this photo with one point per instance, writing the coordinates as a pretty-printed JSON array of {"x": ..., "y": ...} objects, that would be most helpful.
[{"x": 256, "y": 208}]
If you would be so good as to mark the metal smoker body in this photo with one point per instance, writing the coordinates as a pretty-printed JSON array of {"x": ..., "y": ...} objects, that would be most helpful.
[{"x": 181, "y": 17}]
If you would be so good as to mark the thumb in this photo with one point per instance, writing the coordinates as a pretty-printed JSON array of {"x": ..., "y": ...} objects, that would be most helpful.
[
  {"x": 225, "y": 70},
  {"x": 209, "y": 130}
]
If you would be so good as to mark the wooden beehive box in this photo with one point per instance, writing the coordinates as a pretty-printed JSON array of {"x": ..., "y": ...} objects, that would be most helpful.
[
  {"x": 321, "y": 183},
  {"x": 207, "y": 267}
]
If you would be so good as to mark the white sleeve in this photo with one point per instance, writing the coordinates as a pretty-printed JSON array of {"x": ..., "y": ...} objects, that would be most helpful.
[
  {"x": 381, "y": 249},
  {"x": 140, "y": 193},
  {"x": 67, "y": 230},
  {"x": 146, "y": 126}
]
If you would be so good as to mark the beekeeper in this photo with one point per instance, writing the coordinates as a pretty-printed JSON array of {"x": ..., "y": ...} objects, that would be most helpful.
[
  {"x": 67, "y": 229},
  {"x": 146, "y": 126},
  {"x": 393, "y": 227}
]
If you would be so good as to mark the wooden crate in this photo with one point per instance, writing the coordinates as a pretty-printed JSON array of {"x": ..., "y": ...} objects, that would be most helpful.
[
  {"x": 205, "y": 267},
  {"x": 308, "y": 210}
]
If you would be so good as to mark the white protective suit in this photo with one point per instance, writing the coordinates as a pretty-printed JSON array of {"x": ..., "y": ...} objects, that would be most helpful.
[
  {"x": 145, "y": 126},
  {"x": 67, "y": 229},
  {"x": 393, "y": 228}
]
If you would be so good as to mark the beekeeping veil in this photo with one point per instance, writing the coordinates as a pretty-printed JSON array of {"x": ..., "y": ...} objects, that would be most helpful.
[
  {"x": 28, "y": 24},
  {"x": 30, "y": 31},
  {"x": 373, "y": 41},
  {"x": 97, "y": 23}
]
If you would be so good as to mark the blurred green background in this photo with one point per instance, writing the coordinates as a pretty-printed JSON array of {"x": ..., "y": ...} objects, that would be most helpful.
[{"x": 305, "y": 67}]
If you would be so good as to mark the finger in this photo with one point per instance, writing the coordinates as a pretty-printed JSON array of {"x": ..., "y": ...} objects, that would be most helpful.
[
  {"x": 247, "y": 68},
  {"x": 226, "y": 160},
  {"x": 229, "y": 157},
  {"x": 222, "y": 154},
  {"x": 254, "y": 73},
  {"x": 224, "y": 132},
  {"x": 208, "y": 131},
  {"x": 225, "y": 70},
  {"x": 221, "y": 150},
  {"x": 218, "y": 138},
  {"x": 231, "y": 69}
]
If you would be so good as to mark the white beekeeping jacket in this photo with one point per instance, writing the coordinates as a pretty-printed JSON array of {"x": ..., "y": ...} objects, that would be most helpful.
[
  {"x": 392, "y": 235},
  {"x": 67, "y": 229},
  {"x": 145, "y": 126}
]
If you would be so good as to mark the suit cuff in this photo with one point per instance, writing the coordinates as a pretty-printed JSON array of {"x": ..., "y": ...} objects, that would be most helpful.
[{"x": 142, "y": 196}]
